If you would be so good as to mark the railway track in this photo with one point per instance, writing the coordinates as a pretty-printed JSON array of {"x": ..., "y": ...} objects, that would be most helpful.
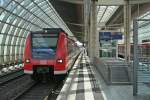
[
  {"x": 18, "y": 86},
  {"x": 13, "y": 87},
  {"x": 23, "y": 88},
  {"x": 10, "y": 76},
  {"x": 41, "y": 91}
]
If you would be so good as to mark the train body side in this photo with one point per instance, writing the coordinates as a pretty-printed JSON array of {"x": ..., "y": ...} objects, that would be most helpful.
[{"x": 143, "y": 49}]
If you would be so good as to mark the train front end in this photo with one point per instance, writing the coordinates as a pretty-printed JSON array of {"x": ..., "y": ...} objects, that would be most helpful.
[{"x": 45, "y": 53}]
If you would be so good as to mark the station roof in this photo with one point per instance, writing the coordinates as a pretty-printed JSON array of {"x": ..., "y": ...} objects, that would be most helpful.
[
  {"x": 136, "y": 11},
  {"x": 104, "y": 13},
  {"x": 18, "y": 18},
  {"x": 71, "y": 11}
]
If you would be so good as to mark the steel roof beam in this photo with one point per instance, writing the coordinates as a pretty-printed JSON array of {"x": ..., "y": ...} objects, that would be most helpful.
[
  {"x": 120, "y": 2},
  {"x": 73, "y": 1},
  {"x": 138, "y": 1}
]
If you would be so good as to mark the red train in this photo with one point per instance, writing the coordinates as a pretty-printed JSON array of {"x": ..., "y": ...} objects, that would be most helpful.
[
  {"x": 143, "y": 50},
  {"x": 49, "y": 52}
]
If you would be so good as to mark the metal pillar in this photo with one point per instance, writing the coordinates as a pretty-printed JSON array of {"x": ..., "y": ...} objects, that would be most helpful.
[
  {"x": 127, "y": 19},
  {"x": 135, "y": 61},
  {"x": 90, "y": 37}
]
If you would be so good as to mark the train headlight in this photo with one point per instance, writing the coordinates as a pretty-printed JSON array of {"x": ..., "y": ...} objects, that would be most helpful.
[
  {"x": 59, "y": 61},
  {"x": 27, "y": 60}
]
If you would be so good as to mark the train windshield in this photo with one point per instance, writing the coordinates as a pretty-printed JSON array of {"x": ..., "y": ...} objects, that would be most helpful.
[{"x": 44, "y": 45}]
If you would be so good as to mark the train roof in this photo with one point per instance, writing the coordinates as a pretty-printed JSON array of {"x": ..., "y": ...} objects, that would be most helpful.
[{"x": 55, "y": 30}]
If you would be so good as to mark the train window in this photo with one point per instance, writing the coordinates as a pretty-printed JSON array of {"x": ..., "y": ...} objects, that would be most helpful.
[
  {"x": 70, "y": 46},
  {"x": 45, "y": 41},
  {"x": 44, "y": 45}
]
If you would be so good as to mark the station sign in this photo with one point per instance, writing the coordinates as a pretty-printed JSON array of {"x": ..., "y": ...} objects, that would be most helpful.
[
  {"x": 110, "y": 35},
  {"x": 36, "y": 35}
]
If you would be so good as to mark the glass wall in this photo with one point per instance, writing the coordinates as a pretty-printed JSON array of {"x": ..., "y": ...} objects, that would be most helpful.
[
  {"x": 108, "y": 48},
  {"x": 144, "y": 32},
  {"x": 17, "y": 18}
]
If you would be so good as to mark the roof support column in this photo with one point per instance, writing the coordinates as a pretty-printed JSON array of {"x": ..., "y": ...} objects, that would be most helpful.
[
  {"x": 93, "y": 38},
  {"x": 87, "y": 4},
  {"x": 127, "y": 19}
]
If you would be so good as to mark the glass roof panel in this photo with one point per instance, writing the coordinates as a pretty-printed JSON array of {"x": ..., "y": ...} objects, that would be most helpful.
[
  {"x": 4, "y": 3},
  {"x": 105, "y": 12}
]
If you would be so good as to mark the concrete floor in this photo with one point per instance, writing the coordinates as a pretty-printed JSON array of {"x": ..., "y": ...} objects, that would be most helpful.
[{"x": 118, "y": 92}]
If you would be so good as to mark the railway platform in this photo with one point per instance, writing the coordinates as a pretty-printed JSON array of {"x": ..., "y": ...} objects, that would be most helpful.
[
  {"x": 85, "y": 83},
  {"x": 81, "y": 83}
]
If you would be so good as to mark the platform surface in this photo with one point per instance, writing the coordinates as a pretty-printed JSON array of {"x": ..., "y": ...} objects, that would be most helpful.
[
  {"x": 85, "y": 83},
  {"x": 81, "y": 83}
]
